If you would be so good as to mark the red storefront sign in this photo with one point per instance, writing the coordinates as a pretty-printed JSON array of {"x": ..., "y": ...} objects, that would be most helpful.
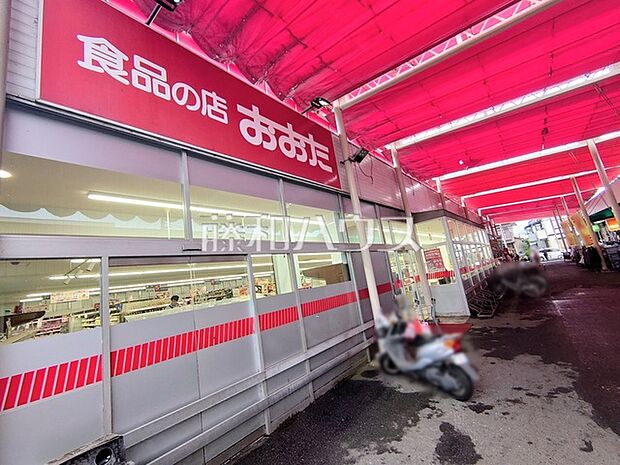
[{"x": 98, "y": 61}]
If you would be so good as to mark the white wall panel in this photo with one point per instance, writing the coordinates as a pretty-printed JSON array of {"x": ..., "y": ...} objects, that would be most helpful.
[{"x": 78, "y": 409}]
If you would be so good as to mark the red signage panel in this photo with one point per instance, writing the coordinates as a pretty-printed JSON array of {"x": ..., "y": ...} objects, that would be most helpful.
[{"x": 98, "y": 61}]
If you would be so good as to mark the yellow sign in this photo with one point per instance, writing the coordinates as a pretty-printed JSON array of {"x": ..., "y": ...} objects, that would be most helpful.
[
  {"x": 571, "y": 240},
  {"x": 582, "y": 228},
  {"x": 612, "y": 224}
]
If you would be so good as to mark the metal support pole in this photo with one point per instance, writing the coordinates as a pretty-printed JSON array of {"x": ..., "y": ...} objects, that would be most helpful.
[
  {"x": 373, "y": 293},
  {"x": 187, "y": 213},
  {"x": 556, "y": 215},
  {"x": 260, "y": 355},
  {"x": 106, "y": 371},
  {"x": 586, "y": 218},
  {"x": 5, "y": 27},
  {"x": 425, "y": 286},
  {"x": 609, "y": 192},
  {"x": 570, "y": 221}
]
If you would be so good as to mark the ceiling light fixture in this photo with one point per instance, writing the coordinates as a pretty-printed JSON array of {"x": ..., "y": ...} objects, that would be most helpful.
[{"x": 4, "y": 174}]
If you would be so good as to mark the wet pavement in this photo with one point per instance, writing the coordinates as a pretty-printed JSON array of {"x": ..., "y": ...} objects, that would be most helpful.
[{"x": 549, "y": 393}]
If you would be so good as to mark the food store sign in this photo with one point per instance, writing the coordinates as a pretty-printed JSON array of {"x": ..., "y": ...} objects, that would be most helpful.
[{"x": 98, "y": 61}]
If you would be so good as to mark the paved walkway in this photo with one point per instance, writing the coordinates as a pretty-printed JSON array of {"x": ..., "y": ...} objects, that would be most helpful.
[{"x": 549, "y": 394}]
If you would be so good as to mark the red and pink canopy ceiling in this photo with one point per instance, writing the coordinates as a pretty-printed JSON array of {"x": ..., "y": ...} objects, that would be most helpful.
[{"x": 304, "y": 49}]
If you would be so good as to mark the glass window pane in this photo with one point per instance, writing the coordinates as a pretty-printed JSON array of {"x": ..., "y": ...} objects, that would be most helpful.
[
  {"x": 399, "y": 231},
  {"x": 431, "y": 232},
  {"x": 373, "y": 226},
  {"x": 51, "y": 197},
  {"x": 226, "y": 215},
  {"x": 272, "y": 275},
  {"x": 317, "y": 270},
  {"x": 452, "y": 227},
  {"x": 44, "y": 297},
  {"x": 151, "y": 290},
  {"x": 385, "y": 226},
  {"x": 310, "y": 224}
]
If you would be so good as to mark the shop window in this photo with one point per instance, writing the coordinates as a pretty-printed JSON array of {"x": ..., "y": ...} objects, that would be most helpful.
[
  {"x": 317, "y": 270},
  {"x": 372, "y": 225},
  {"x": 369, "y": 220},
  {"x": 432, "y": 239},
  {"x": 52, "y": 197},
  {"x": 400, "y": 232},
  {"x": 230, "y": 203},
  {"x": 226, "y": 215},
  {"x": 45, "y": 297},
  {"x": 313, "y": 214},
  {"x": 310, "y": 224},
  {"x": 272, "y": 275},
  {"x": 147, "y": 290}
]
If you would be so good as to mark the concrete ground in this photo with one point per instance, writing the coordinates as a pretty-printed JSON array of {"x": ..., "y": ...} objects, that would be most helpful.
[{"x": 549, "y": 394}]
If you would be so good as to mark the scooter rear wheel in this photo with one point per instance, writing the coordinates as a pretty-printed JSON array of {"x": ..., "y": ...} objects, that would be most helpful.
[
  {"x": 465, "y": 386},
  {"x": 387, "y": 365}
]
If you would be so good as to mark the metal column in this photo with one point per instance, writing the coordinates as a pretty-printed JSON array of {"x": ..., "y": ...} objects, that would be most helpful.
[
  {"x": 373, "y": 293},
  {"x": 426, "y": 288},
  {"x": 609, "y": 192},
  {"x": 556, "y": 215},
  {"x": 570, "y": 221},
  {"x": 586, "y": 218}
]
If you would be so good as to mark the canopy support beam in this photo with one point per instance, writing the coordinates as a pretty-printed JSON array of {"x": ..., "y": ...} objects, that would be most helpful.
[
  {"x": 534, "y": 9},
  {"x": 556, "y": 215},
  {"x": 570, "y": 221},
  {"x": 609, "y": 192},
  {"x": 417, "y": 251},
  {"x": 371, "y": 283},
  {"x": 586, "y": 219}
]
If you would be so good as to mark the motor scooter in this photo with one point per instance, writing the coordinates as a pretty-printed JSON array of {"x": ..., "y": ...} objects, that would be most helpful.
[{"x": 435, "y": 358}]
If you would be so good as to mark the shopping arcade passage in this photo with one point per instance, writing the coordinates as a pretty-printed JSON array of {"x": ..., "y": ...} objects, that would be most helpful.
[{"x": 561, "y": 41}]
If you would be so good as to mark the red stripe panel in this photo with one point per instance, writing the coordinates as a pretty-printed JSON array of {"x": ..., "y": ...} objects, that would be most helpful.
[
  {"x": 73, "y": 367},
  {"x": 81, "y": 379},
  {"x": 24, "y": 392},
  {"x": 23, "y": 388},
  {"x": 37, "y": 390},
  {"x": 277, "y": 318},
  {"x": 11, "y": 396},
  {"x": 383, "y": 288},
  {"x": 49, "y": 381},
  {"x": 322, "y": 305},
  {"x": 4, "y": 384},
  {"x": 60, "y": 378},
  {"x": 92, "y": 369}
]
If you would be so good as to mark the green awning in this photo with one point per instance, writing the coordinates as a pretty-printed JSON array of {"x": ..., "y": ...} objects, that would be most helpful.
[{"x": 602, "y": 215}]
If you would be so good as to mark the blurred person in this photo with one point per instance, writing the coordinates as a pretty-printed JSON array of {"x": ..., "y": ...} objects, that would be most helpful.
[{"x": 174, "y": 301}]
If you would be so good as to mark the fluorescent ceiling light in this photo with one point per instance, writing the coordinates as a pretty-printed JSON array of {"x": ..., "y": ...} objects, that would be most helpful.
[
  {"x": 32, "y": 299},
  {"x": 5, "y": 174},
  {"x": 533, "y": 183},
  {"x": 529, "y": 156},
  {"x": 157, "y": 271},
  {"x": 512, "y": 105},
  {"x": 84, "y": 260},
  {"x": 179, "y": 282},
  {"x": 103, "y": 197}
]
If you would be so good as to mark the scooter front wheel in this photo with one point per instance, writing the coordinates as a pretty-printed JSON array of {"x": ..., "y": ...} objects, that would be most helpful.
[
  {"x": 464, "y": 385},
  {"x": 387, "y": 365}
]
